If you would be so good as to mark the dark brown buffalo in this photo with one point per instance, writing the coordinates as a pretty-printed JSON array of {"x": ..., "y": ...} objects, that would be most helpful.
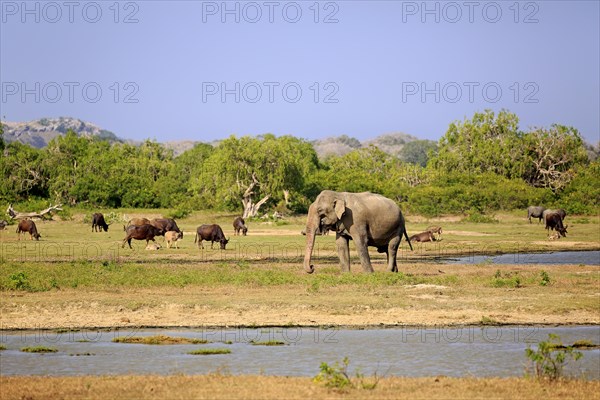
[
  {"x": 145, "y": 232},
  {"x": 214, "y": 233},
  {"x": 98, "y": 223},
  {"x": 136, "y": 222},
  {"x": 558, "y": 211},
  {"x": 240, "y": 225},
  {"x": 422, "y": 237},
  {"x": 28, "y": 226},
  {"x": 554, "y": 221},
  {"x": 166, "y": 224}
]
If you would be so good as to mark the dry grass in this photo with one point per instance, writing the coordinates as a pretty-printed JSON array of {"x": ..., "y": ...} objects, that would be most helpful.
[{"x": 263, "y": 387}]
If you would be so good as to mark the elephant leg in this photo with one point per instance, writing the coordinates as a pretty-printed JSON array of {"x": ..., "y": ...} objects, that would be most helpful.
[
  {"x": 363, "y": 253},
  {"x": 343, "y": 249},
  {"x": 392, "y": 252}
]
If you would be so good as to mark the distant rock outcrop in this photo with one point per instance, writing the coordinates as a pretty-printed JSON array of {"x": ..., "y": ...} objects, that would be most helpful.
[
  {"x": 390, "y": 143},
  {"x": 39, "y": 133}
]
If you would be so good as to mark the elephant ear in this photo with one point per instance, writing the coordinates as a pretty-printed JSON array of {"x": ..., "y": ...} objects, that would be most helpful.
[{"x": 340, "y": 208}]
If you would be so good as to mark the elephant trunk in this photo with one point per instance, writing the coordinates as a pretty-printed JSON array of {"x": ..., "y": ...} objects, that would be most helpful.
[{"x": 311, "y": 229}]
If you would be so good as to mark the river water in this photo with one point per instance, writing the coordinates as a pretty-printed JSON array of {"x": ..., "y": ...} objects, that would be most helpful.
[
  {"x": 464, "y": 351},
  {"x": 558, "y": 257}
]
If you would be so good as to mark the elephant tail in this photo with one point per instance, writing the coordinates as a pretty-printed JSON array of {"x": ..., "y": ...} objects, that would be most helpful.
[{"x": 407, "y": 238}]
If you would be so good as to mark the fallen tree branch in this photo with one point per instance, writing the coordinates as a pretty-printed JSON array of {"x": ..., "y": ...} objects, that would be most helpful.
[{"x": 23, "y": 215}]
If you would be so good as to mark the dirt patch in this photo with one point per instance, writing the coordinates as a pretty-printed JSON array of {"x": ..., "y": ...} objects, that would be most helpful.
[
  {"x": 558, "y": 243},
  {"x": 425, "y": 286},
  {"x": 469, "y": 233},
  {"x": 437, "y": 220}
]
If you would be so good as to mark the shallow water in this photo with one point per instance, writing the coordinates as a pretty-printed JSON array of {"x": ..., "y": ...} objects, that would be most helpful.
[
  {"x": 466, "y": 351},
  {"x": 558, "y": 257}
]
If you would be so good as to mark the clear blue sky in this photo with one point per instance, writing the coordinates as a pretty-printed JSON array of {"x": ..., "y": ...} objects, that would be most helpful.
[{"x": 363, "y": 68}]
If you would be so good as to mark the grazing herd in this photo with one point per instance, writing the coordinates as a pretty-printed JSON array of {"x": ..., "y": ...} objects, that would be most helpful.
[
  {"x": 553, "y": 219},
  {"x": 146, "y": 229}
]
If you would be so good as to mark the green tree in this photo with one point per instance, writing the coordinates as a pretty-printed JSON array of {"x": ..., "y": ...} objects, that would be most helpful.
[
  {"x": 582, "y": 194},
  {"x": 485, "y": 143},
  {"x": 23, "y": 173},
  {"x": 1, "y": 137},
  {"x": 552, "y": 156},
  {"x": 250, "y": 171},
  {"x": 66, "y": 161},
  {"x": 418, "y": 152},
  {"x": 173, "y": 187},
  {"x": 361, "y": 170}
]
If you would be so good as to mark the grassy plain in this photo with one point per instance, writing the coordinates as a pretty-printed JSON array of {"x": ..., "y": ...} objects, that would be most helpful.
[{"x": 77, "y": 278}]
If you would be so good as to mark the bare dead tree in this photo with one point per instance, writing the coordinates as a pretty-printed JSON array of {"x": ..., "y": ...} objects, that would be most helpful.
[
  {"x": 22, "y": 215},
  {"x": 250, "y": 207}
]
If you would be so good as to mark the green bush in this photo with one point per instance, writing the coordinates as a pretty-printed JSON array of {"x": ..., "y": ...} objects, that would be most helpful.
[
  {"x": 337, "y": 377},
  {"x": 19, "y": 281},
  {"x": 178, "y": 213},
  {"x": 582, "y": 195},
  {"x": 550, "y": 358},
  {"x": 455, "y": 193},
  {"x": 479, "y": 218},
  {"x": 545, "y": 278}
]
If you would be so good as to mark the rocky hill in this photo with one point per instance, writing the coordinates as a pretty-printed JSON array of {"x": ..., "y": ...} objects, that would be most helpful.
[
  {"x": 391, "y": 143},
  {"x": 39, "y": 132}
]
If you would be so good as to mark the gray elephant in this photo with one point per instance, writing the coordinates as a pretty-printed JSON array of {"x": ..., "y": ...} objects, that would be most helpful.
[{"x": 368, "y": 219}]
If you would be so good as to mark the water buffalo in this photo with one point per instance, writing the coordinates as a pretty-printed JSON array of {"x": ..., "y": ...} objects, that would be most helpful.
[
  {"x": 172, "y": 237},
  {"x": 136, "y": 222},
  {"x": 240, "y": 225},
  {"x": 554, "y": 221},
  {"x": 166, "y": 224},
  {"x": 535, "y": 212},
  {"x": 214, "y": 233},
  {"x": 28, "y": 226},
  {"x": 145, "y": 232},
  {"x": 422, "y": 237},
  {"x": 98, "y": 223},
  {"x": 3, "y": 225},
  {"x": 558, "y": 211},
  {"x": 436, "y": 232}
]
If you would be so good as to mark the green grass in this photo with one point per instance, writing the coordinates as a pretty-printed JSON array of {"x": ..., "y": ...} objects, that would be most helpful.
[
  {"x": 38, "y": 349},
  {"x": 2, "y": 347},
  {"x": 158, "y": 340},
  {"x": 70, "y": 256},
  {"x": 43, "y": 277},
  {"x": 268, "y": 343},
  {"x": 207, "y": 352}
]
